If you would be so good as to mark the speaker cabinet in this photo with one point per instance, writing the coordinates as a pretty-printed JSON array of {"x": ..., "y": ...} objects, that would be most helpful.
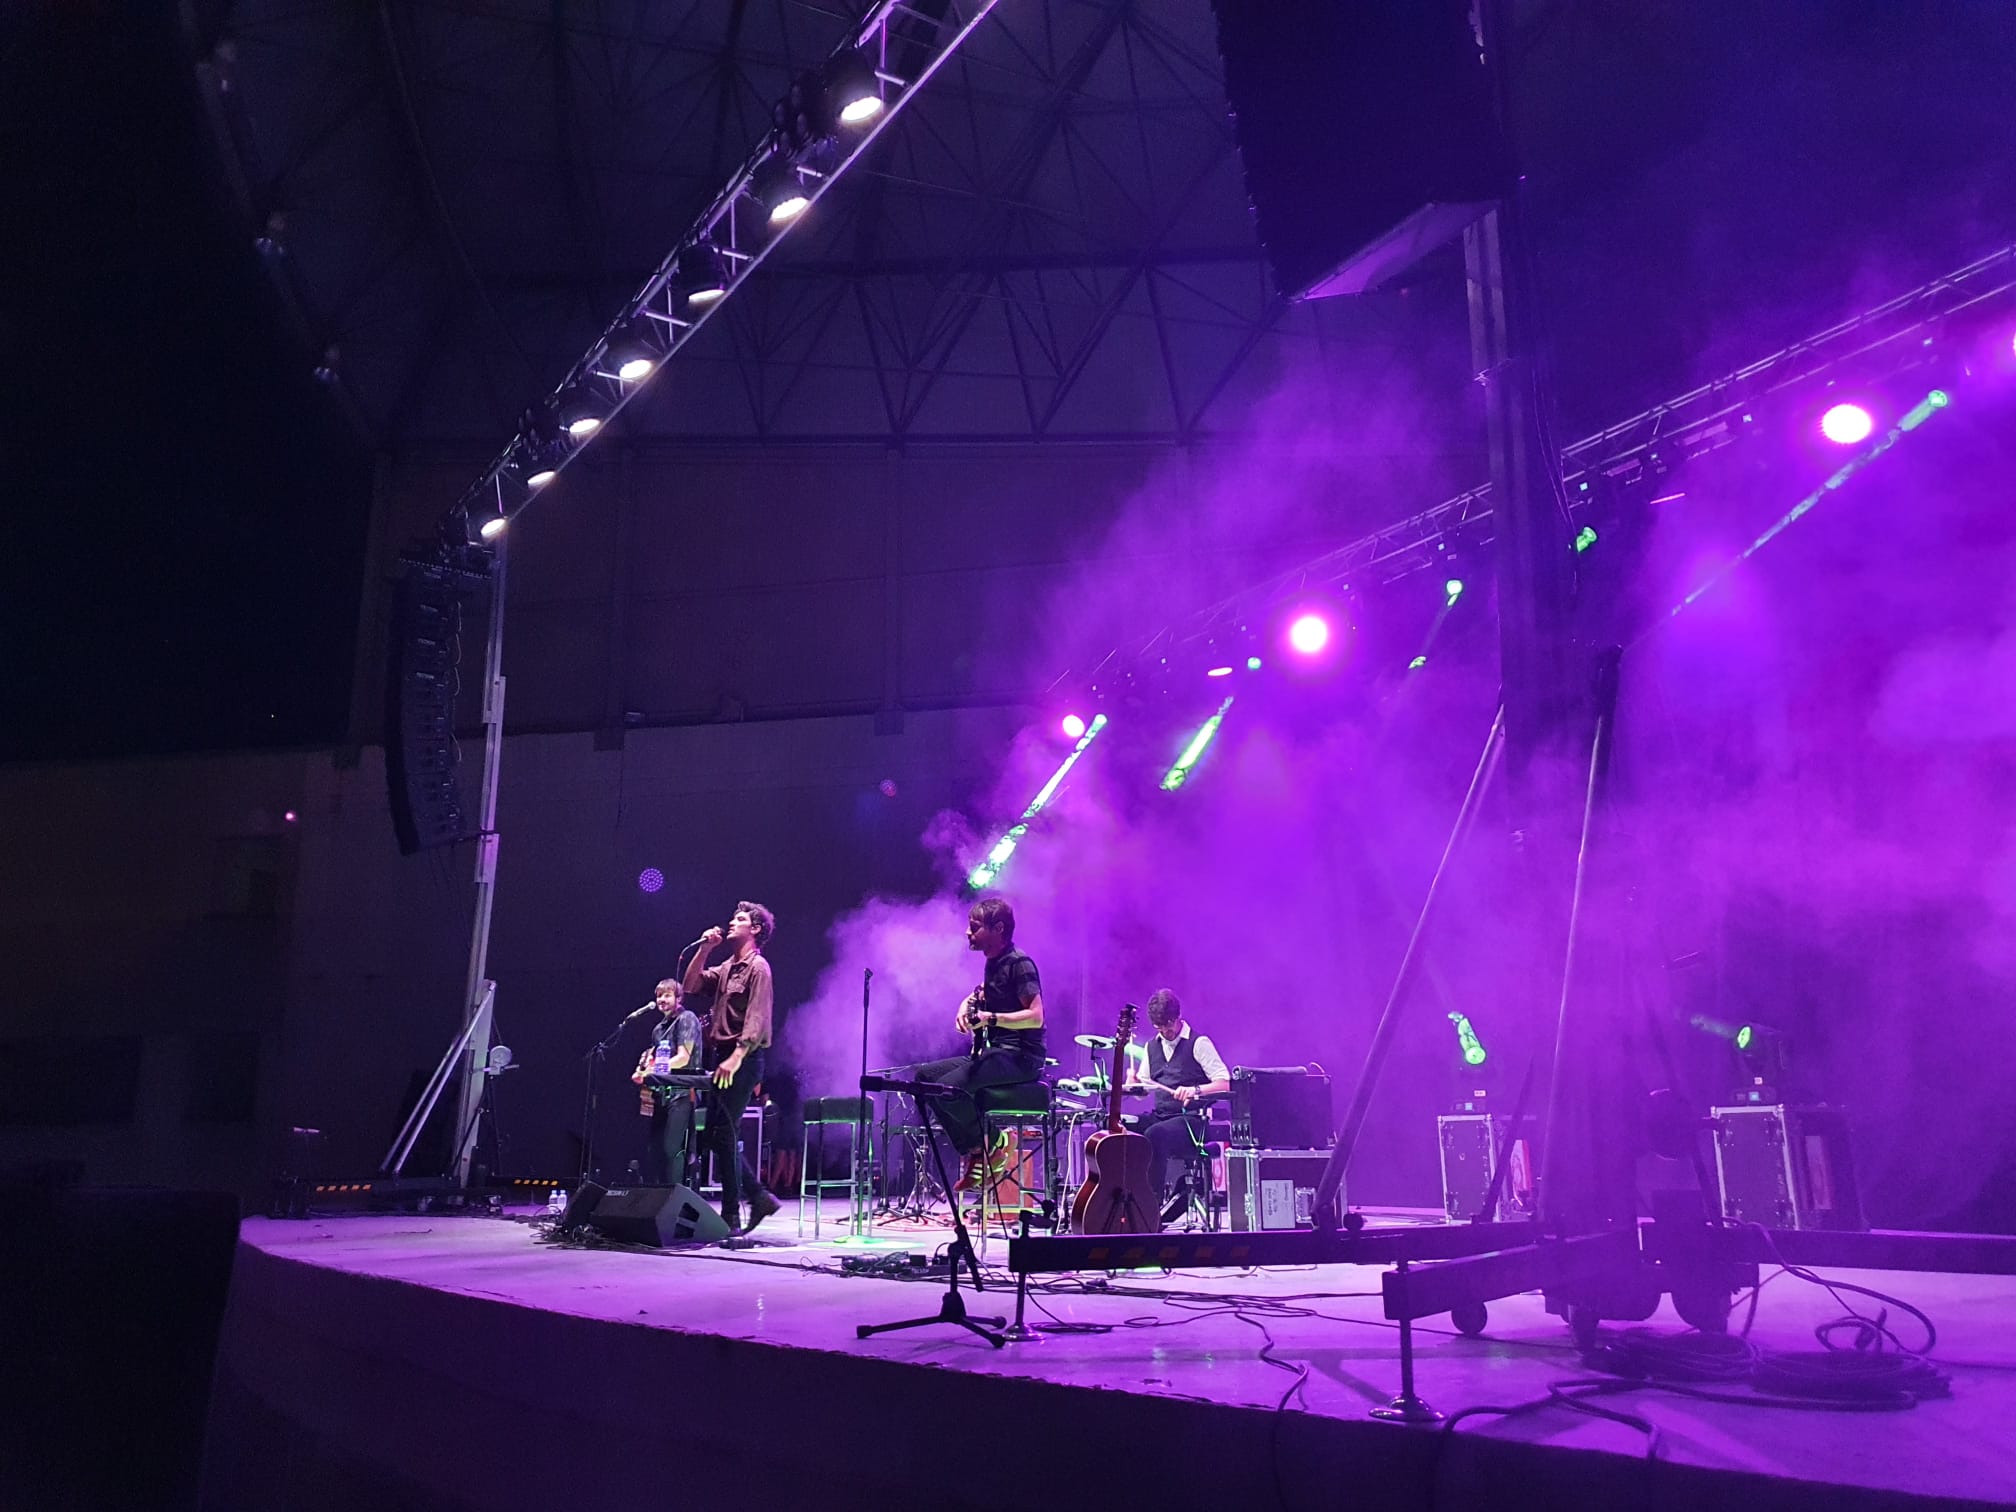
[
  {"x": 1366, "y": 130},
  {"x": 660, "y": 1215}
]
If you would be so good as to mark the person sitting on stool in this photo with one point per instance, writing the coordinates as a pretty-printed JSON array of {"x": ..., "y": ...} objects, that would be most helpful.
[
  {"x": 1181, "y": 1069},
  {"x": 674, "y": 1047}
]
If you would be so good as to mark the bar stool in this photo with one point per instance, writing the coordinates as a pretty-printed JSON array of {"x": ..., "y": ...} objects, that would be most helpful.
[
  {"x": 857, "y": 1113},
  {"x": 1201, "y": 1169},
  {"x": 1017, "y": 1107}
]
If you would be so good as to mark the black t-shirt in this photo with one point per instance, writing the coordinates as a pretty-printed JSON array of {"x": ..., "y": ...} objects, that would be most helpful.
[{"x": 1010, "y": 983}]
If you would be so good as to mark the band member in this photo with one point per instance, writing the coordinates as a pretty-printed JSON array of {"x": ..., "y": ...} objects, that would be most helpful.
[
  {"x": 674, "y": 1048},
  {"x": 1005, "y": 1016},
  {"x": 739, "y": 994},
  {"x": 1181, "y": 1069}
]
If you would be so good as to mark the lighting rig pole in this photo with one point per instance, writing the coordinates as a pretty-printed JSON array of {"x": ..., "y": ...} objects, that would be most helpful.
[{"x": 829, "y": 117}]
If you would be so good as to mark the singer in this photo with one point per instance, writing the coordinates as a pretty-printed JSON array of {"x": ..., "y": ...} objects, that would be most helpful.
[
  {"x": 674, "y": 1047},
  {"x": 739, "y": 994}
]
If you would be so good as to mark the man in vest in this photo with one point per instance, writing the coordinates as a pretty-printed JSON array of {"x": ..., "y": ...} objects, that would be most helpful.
[{"x": 1181, "y": 1069}]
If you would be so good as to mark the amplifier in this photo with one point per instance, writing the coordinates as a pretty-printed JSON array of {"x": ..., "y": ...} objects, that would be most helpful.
[
  {"x": 1470, "y": 1143},
  {"x": 1281, "y": 1108},
  {"x": 1786, "y": 1167},
  {"x": 1274, "y": 1189}
]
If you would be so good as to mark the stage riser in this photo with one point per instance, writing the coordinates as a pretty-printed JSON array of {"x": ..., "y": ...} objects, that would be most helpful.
[{"x": 338, "y": 1390}]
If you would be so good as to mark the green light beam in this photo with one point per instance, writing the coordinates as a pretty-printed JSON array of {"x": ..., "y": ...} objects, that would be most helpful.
[
  {"x": 1473, "y": 1047},
  {"x": 1924, "y": 410},
  {"x": 1178, "y": 774},
  {"x": 983, "y": 874}
]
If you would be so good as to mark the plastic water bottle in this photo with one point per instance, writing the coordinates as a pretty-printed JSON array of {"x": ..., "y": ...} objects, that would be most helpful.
[{"x": 556, "y": 1204}]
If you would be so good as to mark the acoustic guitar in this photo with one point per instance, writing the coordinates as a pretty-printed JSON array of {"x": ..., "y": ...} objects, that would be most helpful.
[{"x": 1115, "y": 1198}]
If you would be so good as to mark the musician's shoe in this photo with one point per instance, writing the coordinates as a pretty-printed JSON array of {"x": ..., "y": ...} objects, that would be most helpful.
[
  {"x": 761, "y": 1205},
  {"x": 999, "y": 1156}
]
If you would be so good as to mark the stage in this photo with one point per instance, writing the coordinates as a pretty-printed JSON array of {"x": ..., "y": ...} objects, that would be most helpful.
[{"x": 437, "y": 1362}]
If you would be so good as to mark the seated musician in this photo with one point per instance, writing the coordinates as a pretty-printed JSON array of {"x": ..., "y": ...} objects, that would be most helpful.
[
  {"x": 674, "y": 1048},
  {"x": 1005, "y": 1017},
  {"x": 1181, "y": 1069}
]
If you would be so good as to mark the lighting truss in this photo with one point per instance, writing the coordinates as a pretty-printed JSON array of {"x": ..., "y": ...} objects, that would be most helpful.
[
  {"x": 735, "y": 225},
  {"x": 1700, "y": 421}
]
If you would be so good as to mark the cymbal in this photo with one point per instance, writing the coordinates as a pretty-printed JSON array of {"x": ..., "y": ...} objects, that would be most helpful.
[{"x": 1095, "y": 1041}]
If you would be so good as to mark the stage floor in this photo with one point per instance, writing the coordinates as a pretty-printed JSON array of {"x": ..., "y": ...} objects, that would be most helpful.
[{"x": 343, "y": 1330}]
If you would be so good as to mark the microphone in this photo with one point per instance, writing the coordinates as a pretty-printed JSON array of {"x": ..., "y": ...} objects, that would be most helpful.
[{"x": 637, "y": 1013}]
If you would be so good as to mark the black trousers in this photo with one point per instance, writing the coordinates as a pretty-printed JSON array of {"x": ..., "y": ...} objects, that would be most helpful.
[
  {"x": 1173, "y": 1135},
  {"x": 671, "y": 1129},
  {"x": 960, "y": 1116},
  {"x": 725, "y": 1107}
]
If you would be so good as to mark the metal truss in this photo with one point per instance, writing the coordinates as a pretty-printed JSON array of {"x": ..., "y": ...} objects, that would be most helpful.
[
  {"x": 808, "y": 151},
  {"x": 453, "y": 194},
  {"x": 1630, "y": 453}
]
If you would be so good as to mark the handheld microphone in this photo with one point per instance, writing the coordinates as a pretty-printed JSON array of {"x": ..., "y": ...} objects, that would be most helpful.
[{"x": 637, "y": 1013}]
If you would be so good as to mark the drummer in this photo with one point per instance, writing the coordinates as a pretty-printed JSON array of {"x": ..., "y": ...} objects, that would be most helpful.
[{"x": 1183, "y": 1070}]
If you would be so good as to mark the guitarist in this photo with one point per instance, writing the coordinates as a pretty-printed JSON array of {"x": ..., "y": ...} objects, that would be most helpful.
[
  {"x": 674, "y": 1047},
  {"x": 1005, "y": 1017},
  {"x": 1181, "y": 1069}
]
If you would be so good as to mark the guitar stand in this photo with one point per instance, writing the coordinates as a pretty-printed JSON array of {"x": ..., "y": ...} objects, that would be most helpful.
[{"x": 952, "y": 1307}]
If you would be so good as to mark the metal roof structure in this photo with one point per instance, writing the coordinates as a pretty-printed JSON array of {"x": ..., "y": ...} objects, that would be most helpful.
[{"x": 456, "y": 194}]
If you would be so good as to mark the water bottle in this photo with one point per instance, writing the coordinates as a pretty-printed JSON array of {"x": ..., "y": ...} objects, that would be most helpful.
[{"x": 556, "y": 1203}]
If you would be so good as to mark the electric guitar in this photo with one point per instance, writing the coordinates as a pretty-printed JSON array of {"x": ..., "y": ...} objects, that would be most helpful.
[{"x": 1115, "y": 1198}]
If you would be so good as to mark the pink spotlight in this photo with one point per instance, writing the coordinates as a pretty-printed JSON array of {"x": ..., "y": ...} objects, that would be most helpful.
[
  {"x": 290, "y": 816},
  {"x": 1074, "y": 727},
  {"x": 1309, "y": 633},
  {"x": 1845, "y": 424}
]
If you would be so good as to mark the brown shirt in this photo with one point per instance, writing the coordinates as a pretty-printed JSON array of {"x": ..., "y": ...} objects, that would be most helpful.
[{"x": 741, "y": 1012}]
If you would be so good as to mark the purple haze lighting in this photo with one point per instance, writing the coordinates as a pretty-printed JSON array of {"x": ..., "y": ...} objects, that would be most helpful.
[
  {"x": 1073, "y": 727},
  {"x": 650, "y": 879},
  {"x": 1309, "y": 633},
  {"x": 1845, "y": 424}
]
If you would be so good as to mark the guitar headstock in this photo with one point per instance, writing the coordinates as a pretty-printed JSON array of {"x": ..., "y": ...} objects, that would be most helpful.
[{"x": 1123, "y": 1036}]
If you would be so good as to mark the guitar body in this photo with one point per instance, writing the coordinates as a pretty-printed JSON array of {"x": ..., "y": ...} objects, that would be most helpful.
[{"x": 1115, "y": 1198}]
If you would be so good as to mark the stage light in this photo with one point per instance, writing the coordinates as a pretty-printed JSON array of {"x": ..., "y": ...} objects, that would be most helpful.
[
  {"x": 1466, "y": 1037},
  {"x": 630, "y": 356},
  {"x": 1073, "y": 727},
  {"x": 1419, "y": 661},
  {"x": 1309, "y": 634},
  {"x": 650, "y": 879},
  {"x": 1454, "y": 588},
  {"x": 1179, "y": 773},
  {"x": 852, "y": 90},
  {"x": 580, "y": 419},
  {"x": 492, "y": 528},
  {"x": 1252, "y": 664},
  {"x": 1846, "y": 424},
  {"x": 702, "y": 273},
  {"x": 1585, "y": 538},
  {"x": 1219, "y": 672},
  {"x": 779, "y": 191},
  {"x": 541, "y": 475},
  {"x": 289, "y": 817},
  {"x": 987, "y": 870},
  {"x": 1744, "y": 1034}
]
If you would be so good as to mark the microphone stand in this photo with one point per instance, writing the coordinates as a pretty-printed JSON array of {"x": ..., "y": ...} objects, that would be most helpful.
[
  {"x": 591, "y": 1098},
  {"x": 860, "y": 1194}
]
